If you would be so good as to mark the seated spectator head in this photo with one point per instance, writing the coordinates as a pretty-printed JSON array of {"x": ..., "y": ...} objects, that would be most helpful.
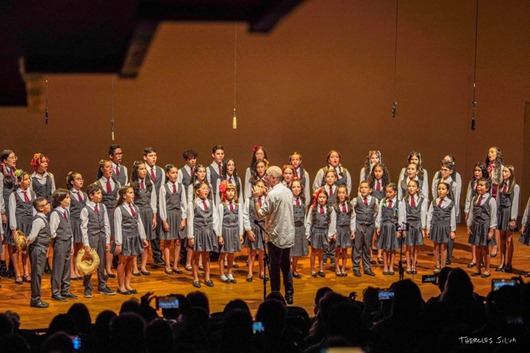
[
  {"x": 458, "y": 287},
  {"x": 130, "y": 306},
  {"x": 127, "y": 333},
  {"x": 276, "y": 295},
  {"x": 319, "y": 294},
  {"x": 198, "y": 298},
  {"x": 59, "y": 342},
  {"x": 407, "y": 302},
  {"x": 159, "y": 336},
  {"x": 236, "y": 304},
  {"x": 64, "y": 323},
  {"x": 81, "y": 316},
  {"x": 272, "y": 314},
  {"x": 240, "y": 321}
]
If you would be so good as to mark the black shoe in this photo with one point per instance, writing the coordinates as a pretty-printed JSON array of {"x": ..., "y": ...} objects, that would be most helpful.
[
  {"x": 106, "y": 290},
  {"x": 369, "y": 272},
  {"x": 507, "y": 269},
  {"x": 145, "y": 273},
  {"x": 58, "y": 298},
  {"x": 160, "y": 262},
  {"x": 209, "y": 283},
  {"x": 357, "y": 273},
  {"x": 297, "y": 275},
  {"x": 499, "y": 269},
  {"x": 448, "y": 261},
  {"x": 125, "y": 292},
  {"x": 87, "y": 293},
  {"x": 132, "y": 291},
  {"x": 38, "y": 304},
  {"x": 111, "y": 275},
  {"x": 289, "y": 299},
  {"x": 69, "y": 295}
]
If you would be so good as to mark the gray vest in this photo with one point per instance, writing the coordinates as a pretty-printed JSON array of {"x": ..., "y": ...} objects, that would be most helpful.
[
  {"x": 202, "y": 219},
  {"x": 96, "y": 222},
  {"x": 42, "y": 190},
  {"x": 365, "y": 213},
  {"x": 24, "y": 210},
  {"x": 64, "y": 231},
  {"x": 44, "y": 237},
  {"x": 230, "y": 219},
  {"x": 173, "y": 199}
]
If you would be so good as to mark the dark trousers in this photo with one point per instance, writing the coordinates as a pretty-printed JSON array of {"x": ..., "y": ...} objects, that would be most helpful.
[
  {"x": 280, "y": 260},
  {"x": 450, "y": 247},
  {"x": 37, "y": 256},
  {"x": 98, "y": 243},
  {"x": 61, "y": 266},
  {"x": 361, "y": 246},
  {"x": 155, "y": 243}
]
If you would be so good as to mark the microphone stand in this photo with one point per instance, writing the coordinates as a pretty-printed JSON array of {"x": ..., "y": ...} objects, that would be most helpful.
[{"x": 266, "y": 260}]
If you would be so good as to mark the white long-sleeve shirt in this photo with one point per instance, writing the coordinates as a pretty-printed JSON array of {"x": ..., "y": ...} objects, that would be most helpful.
[
  {"x": 84, "y": 221},
  {"x": 332, "y": 226},
  {"x": 118, "y": 236},
  {"x": 445, "y": 203}
]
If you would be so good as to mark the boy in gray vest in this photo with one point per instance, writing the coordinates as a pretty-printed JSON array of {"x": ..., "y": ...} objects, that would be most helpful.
[
  {"x": 38, "y": 242},
  {"x": 95, "y": 233}
]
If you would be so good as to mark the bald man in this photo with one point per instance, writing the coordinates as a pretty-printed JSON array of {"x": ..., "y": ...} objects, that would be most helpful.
[{"x": 278, "y": 208}]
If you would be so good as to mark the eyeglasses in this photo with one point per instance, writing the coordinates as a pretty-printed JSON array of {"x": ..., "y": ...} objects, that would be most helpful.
[
  {"x": 79, "y": 179},
  {"x": 13, "y": 158}
]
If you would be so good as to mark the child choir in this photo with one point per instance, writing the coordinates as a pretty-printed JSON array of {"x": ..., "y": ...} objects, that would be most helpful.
[{"x": 203, "y": 209}]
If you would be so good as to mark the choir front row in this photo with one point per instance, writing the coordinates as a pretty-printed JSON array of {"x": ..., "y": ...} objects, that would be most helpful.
[{"x": 332, "y": 219}]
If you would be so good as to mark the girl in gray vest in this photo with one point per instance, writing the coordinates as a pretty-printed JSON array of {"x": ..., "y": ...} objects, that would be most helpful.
[
  {"x": 385, "y": 228},
  {"x": 202, "y": 225},
  {"x": 345, "y": 229},
  {"x": 299, "y": 248},
  {"x": 320, "y": 229},
  {"x": 8, "y": 180},
  {"x": 253, "y": 234},
  {"x": 378, "y": 179},
  {"x": 146, "y": 200},
  {"x": 130, "y": 238},
  {"x": 508, "y": 208},
  {"x": 74, "y": 183},
  {"x": 230, "y": 227},
  {"x": 21, "y": 213},
  {"x": 481, "y": 225},
  {"x": 173, "y": 216},
  {"x": 413, "y": 210},
  {"x": 441, "y": 224}
]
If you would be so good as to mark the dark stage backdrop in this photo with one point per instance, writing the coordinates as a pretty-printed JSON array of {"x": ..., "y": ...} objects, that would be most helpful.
[{"x": 323, "y": 79}]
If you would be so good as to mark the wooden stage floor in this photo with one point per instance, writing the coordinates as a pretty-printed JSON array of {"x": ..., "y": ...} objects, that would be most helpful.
[{"x": 16, "y": 297}]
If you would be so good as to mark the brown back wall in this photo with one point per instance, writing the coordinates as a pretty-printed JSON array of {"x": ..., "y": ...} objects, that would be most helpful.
[{"x": 324, "y": 79}]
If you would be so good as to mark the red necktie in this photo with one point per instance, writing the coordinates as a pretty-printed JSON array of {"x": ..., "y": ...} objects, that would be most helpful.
[
  {"x": 389, "y": 204},
  {"x": 441, "y": 201},
  {"x": 117, "y": 170},
  {"x": 479, "y": 200},
  {"x": 153, "y": 174},
  {"x": 259, "y": 201},
  {"x": 231, "y": 207},
  {"x": 412, "y": 202},
  {"x": 377, "y": 185},
  {"x": 344, "y": 209},
  {"x": 109, "y": 187},
  {"x": 12, "y": 173},
  {"x": 142, "y": 186},
  {"x": 230, "y": 181},
  {"x": 321, "y": 210},
  {"x": 205, "y": 205},
  {"x": 65, "y": 215},
  {"x": 79, "y": 196},
  {"x": 365, "y": 201},
  {"x": 220, "y": 169},
  {"x": 505, "y": 188},
  {"x": 133, "y": 212},
  {"x": 297, "y": 201},
  {"x": 297, "y": 174},
  {"x": 330, "y": 193},
  {"x": 174, "y": 188},
  {"x": 96, "y": 208},
  {"x": 26, "y": 198}
]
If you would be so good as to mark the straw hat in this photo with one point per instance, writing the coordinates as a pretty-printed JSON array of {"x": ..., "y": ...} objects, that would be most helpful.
[
  {"x": 20, "y": 241},
  {"x": 86, "y": 264}
]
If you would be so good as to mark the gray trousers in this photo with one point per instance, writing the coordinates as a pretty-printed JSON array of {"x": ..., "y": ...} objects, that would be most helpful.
[
  {"x": 37, "y": 256},
  {"x": 361, "y": 246},
  {"x": 97, "y": 242},
  {"x": 61, "y": 266}
]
